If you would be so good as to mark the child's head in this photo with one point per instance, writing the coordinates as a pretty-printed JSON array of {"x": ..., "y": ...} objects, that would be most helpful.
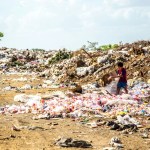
[{"x": 120, "y": 64}]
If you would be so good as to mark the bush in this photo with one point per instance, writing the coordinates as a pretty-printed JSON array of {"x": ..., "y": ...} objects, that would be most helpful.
[
  {"x": 38, "y": 49},
  {"x": 109, "y": 46},
  {"x": 60, "y": 55},
  {"x": 1, "y": 35}
]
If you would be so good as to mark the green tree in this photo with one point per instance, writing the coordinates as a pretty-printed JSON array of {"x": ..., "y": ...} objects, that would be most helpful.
[
  {"x": 1, "y": 35},
  {"x": 90, "y": 46}
]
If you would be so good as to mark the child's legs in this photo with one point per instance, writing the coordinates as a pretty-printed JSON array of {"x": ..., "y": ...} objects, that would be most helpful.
[
  {"x": 119, "y": 85},
  {"x": 126, "y": 90},
  {"x": 118, "y": 91}
]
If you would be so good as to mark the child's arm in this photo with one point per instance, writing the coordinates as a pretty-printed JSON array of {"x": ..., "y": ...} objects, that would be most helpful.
[
  {"x": 117, "y": 76},
  {"x": 113, "y": 77}
]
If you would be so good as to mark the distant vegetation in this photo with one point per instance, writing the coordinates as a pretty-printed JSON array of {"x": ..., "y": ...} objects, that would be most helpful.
[
  {"x": 37, "y": 49},
  {"x": 1, "y": 35},
  {"x": 92, "y": 46},
  {"x": 107, "y": 47},
  {"x": 60, "y": 55}
]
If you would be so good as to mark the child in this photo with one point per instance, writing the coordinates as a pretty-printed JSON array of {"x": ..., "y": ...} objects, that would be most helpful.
[{"x": 122, "y": 83}]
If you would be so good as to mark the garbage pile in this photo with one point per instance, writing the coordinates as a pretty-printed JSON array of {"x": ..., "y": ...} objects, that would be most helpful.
[
  {"x": 67, "y": 104},
  {"x": 90, "y": 66},
  {"x": 82, "y": 91},
  {"x": 64, "y": 66}
]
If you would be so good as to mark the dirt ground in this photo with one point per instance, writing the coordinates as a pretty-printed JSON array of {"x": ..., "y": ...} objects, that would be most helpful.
[{"x": 45, "y": 133}]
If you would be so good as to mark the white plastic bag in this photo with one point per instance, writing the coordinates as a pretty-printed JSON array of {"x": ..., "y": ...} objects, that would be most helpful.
[
  {"x": 111, "y": 88},
  {"x": 25, "y": 98}
]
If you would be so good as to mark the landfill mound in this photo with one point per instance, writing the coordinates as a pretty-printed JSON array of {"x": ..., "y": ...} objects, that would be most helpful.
[
  {"x": 80, "y": 66},
  {"x": 43, "y": 92}
]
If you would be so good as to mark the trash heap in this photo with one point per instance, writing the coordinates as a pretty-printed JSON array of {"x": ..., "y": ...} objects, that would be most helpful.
[
  {"x": 68, "y": 104},
  {"x": 91, "y": 70},
  {"x": 81, "y": 87},
  {"x": 81, "y": 66},
  {"x": 89, "y": 66}
]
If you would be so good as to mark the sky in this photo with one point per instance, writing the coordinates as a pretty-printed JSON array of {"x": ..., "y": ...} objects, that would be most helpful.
[{"x": 56, "y": 24}]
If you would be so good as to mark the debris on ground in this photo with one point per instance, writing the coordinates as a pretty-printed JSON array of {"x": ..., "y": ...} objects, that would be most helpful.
[{"x": 69, "y": 142}]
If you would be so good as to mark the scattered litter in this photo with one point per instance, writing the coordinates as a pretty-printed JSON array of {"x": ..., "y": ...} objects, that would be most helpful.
[
  {"x": 115, "y": 141},
  {"x": 69, "y": 142}
]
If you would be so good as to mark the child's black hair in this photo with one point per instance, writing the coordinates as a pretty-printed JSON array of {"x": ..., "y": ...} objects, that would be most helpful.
[{"x": 120, "y": 64}]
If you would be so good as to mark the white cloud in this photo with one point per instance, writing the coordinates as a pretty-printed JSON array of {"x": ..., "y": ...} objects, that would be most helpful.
[
  {"x": 23, "y": 3},
  {"x": 70, "y": 23},
  {"x": 37, "y": 20},
  {"x": 72, "y": 2},
  {"x": 122, "y": 13},
  {"x": 116, "y": 3}
]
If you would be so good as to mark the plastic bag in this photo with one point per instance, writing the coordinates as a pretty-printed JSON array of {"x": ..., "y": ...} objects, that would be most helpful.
[
  {"x": 111, "y": 88},
  {"x": 25, "y": 98}
]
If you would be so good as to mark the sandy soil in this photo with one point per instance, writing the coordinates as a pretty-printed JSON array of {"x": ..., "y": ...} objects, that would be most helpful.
[{"x": 45, "y": 134}]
